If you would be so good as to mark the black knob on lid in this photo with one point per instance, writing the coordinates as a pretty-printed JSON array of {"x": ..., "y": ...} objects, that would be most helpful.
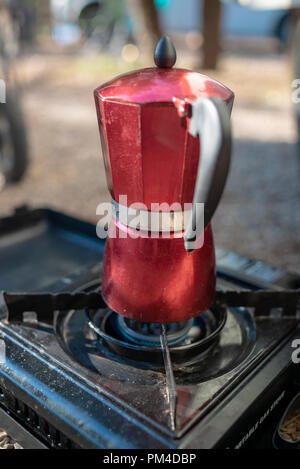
[{"x": 165, "y": 53}]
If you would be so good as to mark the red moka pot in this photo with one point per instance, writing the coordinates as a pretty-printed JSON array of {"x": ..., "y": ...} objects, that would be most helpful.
[{"x": 152, "y": 123}]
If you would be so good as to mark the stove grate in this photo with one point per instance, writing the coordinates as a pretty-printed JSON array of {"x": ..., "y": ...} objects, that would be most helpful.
[{"x": 45, "y": 304}]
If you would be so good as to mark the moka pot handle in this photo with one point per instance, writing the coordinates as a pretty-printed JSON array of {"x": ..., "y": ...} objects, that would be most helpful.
[{"x": 210, "y": 120}]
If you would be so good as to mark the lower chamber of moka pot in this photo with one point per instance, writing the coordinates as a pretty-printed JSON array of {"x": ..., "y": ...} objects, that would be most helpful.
[{"x": 155, "y": 280}]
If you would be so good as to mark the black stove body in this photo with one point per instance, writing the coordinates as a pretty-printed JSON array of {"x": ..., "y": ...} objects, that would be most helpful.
[{"x": 64, "y": 384}]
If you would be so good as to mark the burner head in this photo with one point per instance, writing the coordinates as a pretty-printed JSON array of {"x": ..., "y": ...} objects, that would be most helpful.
[
  {"x": 140, "y": 342},
  {"x": 143, "y": 333}
]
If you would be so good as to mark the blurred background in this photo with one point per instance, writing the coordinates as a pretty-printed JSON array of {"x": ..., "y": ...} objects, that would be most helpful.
[{"x": 53, "y": 53}]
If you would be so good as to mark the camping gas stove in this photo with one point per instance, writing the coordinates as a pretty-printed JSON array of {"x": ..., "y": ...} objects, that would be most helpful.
[{"x": 75, "y": 374}]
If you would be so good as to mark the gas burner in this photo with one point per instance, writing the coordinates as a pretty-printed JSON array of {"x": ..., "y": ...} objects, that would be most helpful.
[
  {"x": 143, "y": 333},
  {"x": 141, "y": 342}
]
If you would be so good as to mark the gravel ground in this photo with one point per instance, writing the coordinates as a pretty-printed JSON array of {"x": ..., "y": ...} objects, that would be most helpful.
[{"x": 258, "y": 216}]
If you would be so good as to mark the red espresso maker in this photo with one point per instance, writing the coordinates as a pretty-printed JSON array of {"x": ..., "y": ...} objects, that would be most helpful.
[{"x": 152, "y": 124}]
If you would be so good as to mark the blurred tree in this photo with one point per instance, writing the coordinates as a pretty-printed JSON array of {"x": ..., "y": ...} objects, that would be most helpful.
[
  {"x": 43, "y": 10},
  {"x": 24, "y": 15},
  {"x": 211, "y": 29},
  {"x": 8, "y": 38},
  {"x": 147, "y": 26}
]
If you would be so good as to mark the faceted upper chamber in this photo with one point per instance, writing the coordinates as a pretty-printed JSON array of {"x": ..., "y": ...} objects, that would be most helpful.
[{"x": 148, "y": 152}]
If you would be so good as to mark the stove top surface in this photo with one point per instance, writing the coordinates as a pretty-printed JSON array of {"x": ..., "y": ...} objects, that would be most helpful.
[
  {"x": 75, "y": 380},
  {"x": 71, "y": 371}
]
